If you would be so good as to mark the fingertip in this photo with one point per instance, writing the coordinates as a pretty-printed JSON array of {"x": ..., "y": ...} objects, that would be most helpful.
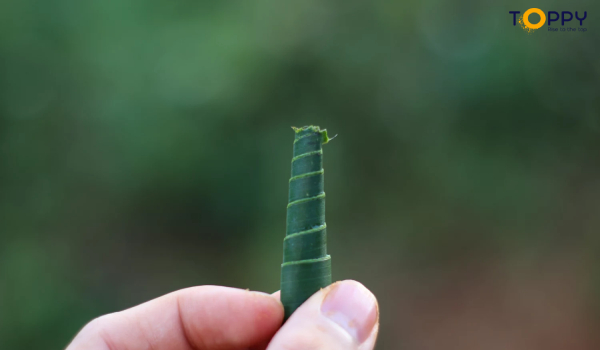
[
  {"x": 246, "y": 317},
  {"x": 353, "y": 307},
  {"x": 269, "y": 309},
  {"x": 202, "y": 317},
  {"x": 343, "y": 315},
  {"x": 371, "y": 340}
]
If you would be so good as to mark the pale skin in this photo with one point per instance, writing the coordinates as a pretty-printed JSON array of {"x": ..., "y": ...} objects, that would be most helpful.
[{"x": 344, "y": 315}]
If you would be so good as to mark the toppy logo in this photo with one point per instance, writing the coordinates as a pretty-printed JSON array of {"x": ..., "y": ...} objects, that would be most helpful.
[{"x": 553, "y": 16}]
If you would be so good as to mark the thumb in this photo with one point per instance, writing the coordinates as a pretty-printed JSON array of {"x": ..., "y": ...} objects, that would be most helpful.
[{"x": 344, "y": 315}]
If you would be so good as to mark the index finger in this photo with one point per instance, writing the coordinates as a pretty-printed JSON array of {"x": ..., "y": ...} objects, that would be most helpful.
[{"x": 206, "y": 317}]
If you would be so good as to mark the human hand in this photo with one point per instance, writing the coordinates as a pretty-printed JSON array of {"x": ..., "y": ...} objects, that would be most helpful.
[{"x": 344, "y": 315}]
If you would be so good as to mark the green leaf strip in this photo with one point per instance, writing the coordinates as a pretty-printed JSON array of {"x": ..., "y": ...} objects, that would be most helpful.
[
  {"x": 308, "y": 261},
  {"x": 316, "y": 229},
  {"x": 322, "y": 195},
  {"x": 307, "y": 174},
  {"x": 306, "y": 266},
  {"x": 306, "y": 155},
  {"x": 301, "y": 137}
]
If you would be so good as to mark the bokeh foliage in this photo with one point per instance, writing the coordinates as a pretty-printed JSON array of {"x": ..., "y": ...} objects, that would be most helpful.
[{"x": 145, "y": 146}]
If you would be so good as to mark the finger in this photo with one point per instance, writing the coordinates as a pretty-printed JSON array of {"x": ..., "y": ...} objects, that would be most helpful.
[
  {"x": 344, "y": 315},
  {"x": 207, "y": 317},
  {"x": 264, "y": 345}
]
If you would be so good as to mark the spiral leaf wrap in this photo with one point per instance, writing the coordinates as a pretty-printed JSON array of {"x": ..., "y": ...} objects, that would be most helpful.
[{"x": 306, "y": 266}]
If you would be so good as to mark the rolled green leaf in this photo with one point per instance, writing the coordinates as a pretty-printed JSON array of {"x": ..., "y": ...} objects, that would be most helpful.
[{"x": 306, "y": 266}]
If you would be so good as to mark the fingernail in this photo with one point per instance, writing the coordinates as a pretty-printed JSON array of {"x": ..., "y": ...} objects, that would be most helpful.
[{"x": 353, "y": 307}]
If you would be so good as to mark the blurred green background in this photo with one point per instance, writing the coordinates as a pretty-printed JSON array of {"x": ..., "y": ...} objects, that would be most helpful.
[{"x": 145, "y": 146}]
